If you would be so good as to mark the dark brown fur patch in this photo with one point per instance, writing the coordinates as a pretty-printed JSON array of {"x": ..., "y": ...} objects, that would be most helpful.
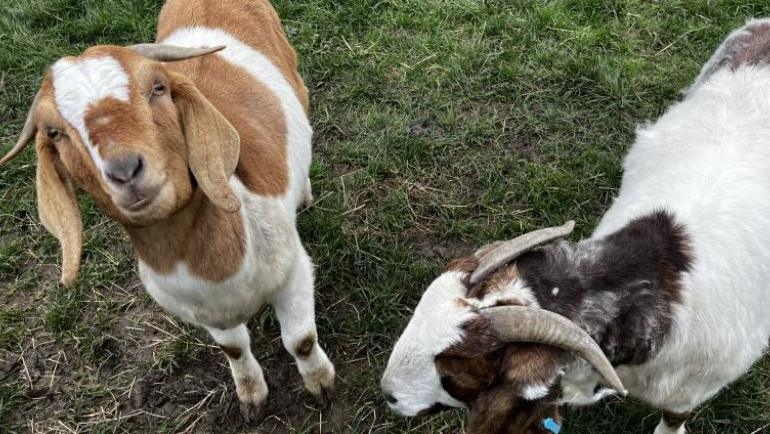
[
  {"x": 675, "y": 420},
  {"x": 305, "y": 346},
  {"x": 750, "y": 47},
  {"x": 232, "y": 352},
  {"x": 622, "y": 286},
  {"x": 501, "y": 411}
]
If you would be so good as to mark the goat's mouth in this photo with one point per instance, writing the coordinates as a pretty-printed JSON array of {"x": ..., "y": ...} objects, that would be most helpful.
[{"x": 140, "y": 199}]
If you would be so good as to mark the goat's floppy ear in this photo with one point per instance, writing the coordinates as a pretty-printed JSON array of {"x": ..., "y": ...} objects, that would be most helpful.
[
  {"x": 213, "y": 144},
  {"x": 59, "y": 212}
]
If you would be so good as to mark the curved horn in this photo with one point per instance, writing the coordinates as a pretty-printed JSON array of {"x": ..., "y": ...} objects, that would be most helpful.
[
  {"x": 492, "y": 256},
  {"x": 171, "y": 53},
  {"x": 27, "y": 133},
  {"x": 527, "y": 324}
]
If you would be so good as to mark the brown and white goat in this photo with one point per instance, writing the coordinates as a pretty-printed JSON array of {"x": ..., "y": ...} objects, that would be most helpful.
[
  {"x": 671, "y": 289},
  {"x": 200, "y": 146}
]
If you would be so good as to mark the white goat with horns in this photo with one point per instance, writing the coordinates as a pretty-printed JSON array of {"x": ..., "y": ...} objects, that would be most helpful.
[{"x": 667, "y": 300}]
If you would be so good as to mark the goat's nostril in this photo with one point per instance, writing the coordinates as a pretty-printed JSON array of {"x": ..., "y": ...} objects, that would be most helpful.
[
  {"x": 124, "y": 169},
  {"x": 390, "y": 398}
]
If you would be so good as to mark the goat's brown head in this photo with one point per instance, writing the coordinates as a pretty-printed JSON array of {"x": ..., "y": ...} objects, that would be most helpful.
[
  {"x": 119, "y": 124},
  {"x": 478, "y": 340}
]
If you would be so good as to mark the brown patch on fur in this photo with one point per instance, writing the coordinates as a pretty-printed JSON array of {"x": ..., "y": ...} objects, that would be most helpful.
[
  {"x": 527, "y": 364},
  {"x": 492, "y": 383},
  {"x": 189, "y": 237},
  {"x": 465, "y": 264},
  {"x": 675, "y": 420},
  {"x": 751, "y": 47},
  {"x": 495, "y": 281},
  {"x": 305, "y": 346},
  {"x": 263, "y": 163},
  {"x": 479, "y": 338},
  {"x": 490, "y": 377},
  {"x": 232, "y": 352},
  {"x": 465, "y": 377},
  {"x": 253, "y": 22},
  {"x": 501, "y": 411}
]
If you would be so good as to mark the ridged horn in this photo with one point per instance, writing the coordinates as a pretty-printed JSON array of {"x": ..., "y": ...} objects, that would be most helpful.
[
  {"x": 528, "y": 324},
  {"x": 493, "y": 256},
  {"x": 172, "y": 53}
]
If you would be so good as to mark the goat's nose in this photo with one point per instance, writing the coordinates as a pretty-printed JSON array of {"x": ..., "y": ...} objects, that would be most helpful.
[
  {"x": 390, "y": 398},
  {"x": 124, "y": 169}
]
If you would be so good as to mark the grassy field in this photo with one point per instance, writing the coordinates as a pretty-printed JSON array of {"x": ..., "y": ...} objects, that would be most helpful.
[{"x": 440, "y": 124}]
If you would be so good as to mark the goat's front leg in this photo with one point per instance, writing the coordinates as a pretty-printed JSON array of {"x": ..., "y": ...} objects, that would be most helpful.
[
  {"x": 294, "y": 306},
  {"x": 249, "y": 381},
  {"x": 307, "y": 195},
  {"x": 672, "y": 423}
]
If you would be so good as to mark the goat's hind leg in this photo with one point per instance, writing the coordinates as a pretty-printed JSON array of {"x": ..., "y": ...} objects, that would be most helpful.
[
  {"x": 294, "y": 307},
  {"x": 672, "y": 423},
  {"x": 249, "y": 381}
]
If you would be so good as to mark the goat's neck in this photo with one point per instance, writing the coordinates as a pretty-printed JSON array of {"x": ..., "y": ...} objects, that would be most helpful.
[
  {"x": 621, "y": 288},
  {"x": 203, "y": 237}
]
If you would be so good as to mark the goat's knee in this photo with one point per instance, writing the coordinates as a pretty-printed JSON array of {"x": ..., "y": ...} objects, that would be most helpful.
[
  {"x": 672, "y": 423},
  {"x": 249, "y": 380}
]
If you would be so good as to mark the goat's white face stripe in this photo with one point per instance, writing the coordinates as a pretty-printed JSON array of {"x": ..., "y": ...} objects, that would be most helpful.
[
  {"x": 81, "y": 83},
  {"x": 411, "y": 375}
]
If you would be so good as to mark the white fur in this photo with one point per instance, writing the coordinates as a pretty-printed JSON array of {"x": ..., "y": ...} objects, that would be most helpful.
[
  {"x": 516, "y": 290},
  {"x": 662, "y": 428},
  {"x": 249, "y": 380},
  {"x": 275, "y": 269},
  {"x": 299, "y": 132},
  {"x": 80, "y": 84},
  {"x": 707, "y": 159},
  {"x": 534, "y": 392},
  {"x": 411, "y": 376}
]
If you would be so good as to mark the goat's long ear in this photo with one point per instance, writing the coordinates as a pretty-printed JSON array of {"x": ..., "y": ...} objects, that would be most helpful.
[
  {"x": 213, "y": 144},
  {"x": 59, "y": 212}
]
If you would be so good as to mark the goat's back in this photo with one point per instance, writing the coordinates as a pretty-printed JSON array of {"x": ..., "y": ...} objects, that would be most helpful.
[{"x": 707, "y": 160}]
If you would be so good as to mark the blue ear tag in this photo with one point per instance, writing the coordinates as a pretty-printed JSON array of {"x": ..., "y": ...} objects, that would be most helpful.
[{"x": 551, "y": 425}]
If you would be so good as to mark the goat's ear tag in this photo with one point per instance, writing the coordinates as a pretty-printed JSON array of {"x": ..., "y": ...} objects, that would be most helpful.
[{"x": 551, "y": 425}]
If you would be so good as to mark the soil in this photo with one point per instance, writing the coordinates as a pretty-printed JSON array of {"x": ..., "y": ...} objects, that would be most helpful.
[{"x": 196, "y": 396}]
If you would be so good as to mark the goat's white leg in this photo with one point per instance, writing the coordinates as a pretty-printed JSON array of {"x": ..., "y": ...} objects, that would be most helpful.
[
  {"x": 672, "y": 423},
  {"x": 249, "y": 381},
  {"x": 307, "y": 195},
  {"x": 294, "y": 306}
]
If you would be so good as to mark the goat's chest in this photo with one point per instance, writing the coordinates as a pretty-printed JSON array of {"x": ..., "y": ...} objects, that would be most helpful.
[{"x": 271, "y": 246}]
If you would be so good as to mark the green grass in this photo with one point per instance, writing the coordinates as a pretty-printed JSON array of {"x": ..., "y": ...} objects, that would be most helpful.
[{"x": 439, "y": 124}]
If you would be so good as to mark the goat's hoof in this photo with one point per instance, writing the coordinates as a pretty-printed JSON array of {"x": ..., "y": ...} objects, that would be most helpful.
[
  {"x": 326, "y": 397},
  {"x": 320, "y": 383},
  {"x": 253, "y": 414}
]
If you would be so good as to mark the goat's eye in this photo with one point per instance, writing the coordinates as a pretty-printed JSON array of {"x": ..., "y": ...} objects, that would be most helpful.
[
  {"x": 158, "y": 89},
  {"x": 53, "y": 134}
]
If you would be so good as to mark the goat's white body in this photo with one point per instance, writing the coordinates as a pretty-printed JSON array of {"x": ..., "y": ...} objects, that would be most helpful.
[
  {"x": 272, "y": 242},
  {"x": 275, "y": 268},
  {"x": 272, "y": 248},
  {"x": 707, "y": 159}
]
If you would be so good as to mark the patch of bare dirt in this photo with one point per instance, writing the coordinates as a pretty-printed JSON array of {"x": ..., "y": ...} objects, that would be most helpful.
[{"x": 119, "y": 385}]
